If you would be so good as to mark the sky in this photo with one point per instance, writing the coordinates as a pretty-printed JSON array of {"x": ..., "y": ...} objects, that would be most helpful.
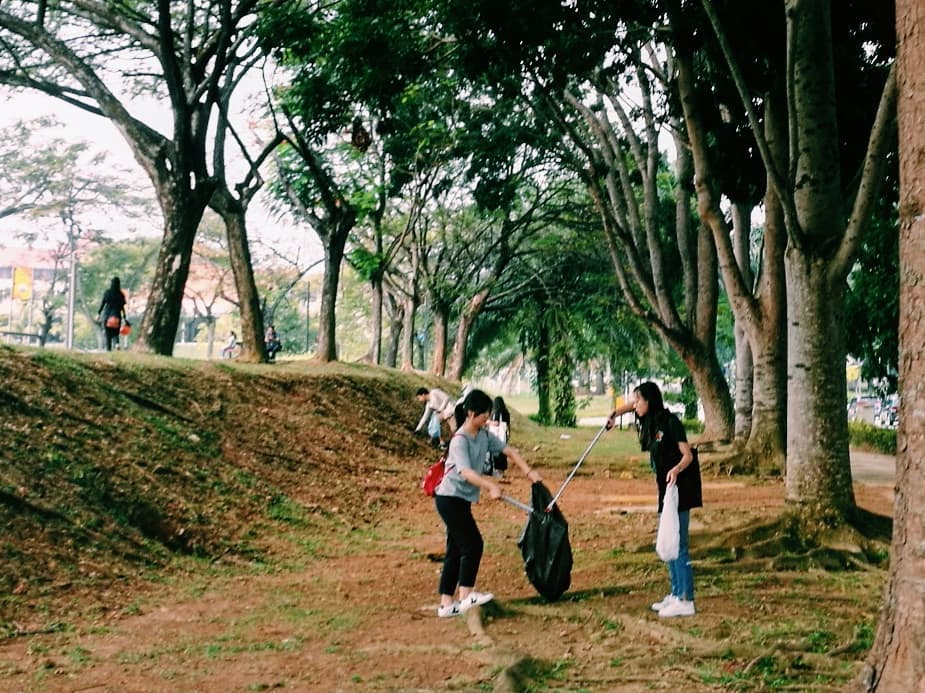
[{"x": 264, "y": 230}]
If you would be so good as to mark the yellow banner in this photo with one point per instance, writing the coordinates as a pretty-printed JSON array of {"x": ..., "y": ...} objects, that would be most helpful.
[{"x": 22, "y": 283}]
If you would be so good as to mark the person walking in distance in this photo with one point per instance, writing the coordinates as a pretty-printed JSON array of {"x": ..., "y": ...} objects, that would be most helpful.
[
  {"x": 662, "y": 435},
  {"x": 112, "y": 313},
  {"x": 460, "y": 487}
]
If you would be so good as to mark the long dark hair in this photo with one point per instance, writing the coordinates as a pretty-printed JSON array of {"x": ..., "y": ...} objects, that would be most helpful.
[
  {"x": 647, "y": 425},
  {"x": 499, "y": 411}
]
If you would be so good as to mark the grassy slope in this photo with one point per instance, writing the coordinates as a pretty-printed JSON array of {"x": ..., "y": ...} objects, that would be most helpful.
[{"x": 112, "y": 465}]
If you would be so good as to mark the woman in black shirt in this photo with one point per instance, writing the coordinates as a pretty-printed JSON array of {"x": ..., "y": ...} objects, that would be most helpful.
[{"x": 662, "y": 435}]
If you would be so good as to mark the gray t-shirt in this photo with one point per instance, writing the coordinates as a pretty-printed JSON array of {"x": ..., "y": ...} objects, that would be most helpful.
[{"x": 467, "y": 452}]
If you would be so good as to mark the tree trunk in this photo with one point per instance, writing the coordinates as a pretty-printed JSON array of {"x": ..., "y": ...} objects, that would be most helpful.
[
  {"x": 466, "y": 320},
  {"x": 759, "y": 313},
  {"x": 818, "y": 484},
  {"x": 252, "y": 328},
  {"x": 742, "y": 230},
  {"x": 334, "y": 243},
  {"x": 544, "y": 411},
  {"x": 407, "y": 332},
  {"x": 158, "y": 329},
  {"x": 897, "y": 659},
  {"x": 767, "y": 439},
  {"x": 441, "y": 316},
  {"x": 396, "y": 317},
  {"x": 374, "y": 355}
]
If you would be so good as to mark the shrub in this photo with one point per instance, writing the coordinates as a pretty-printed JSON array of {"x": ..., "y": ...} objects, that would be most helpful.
[{"x": 866, "y": 437}]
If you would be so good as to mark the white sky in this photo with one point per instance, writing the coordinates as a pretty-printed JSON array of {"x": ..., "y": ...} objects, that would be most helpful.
[{"x": 263, "y": 229}]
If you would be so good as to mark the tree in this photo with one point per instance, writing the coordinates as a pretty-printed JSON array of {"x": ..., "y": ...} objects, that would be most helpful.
[
  {"x": 824, "y": 223},
  {"x": 192, "y": 55},
  {"x": 725, "y": 166},
  {"x": 897, "y": 661}
]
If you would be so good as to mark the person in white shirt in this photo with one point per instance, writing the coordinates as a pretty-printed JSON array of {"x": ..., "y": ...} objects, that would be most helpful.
[{"x": 440, "y": 405}]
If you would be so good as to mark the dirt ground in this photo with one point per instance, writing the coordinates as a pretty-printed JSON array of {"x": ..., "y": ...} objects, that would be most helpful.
[{"x": 343, "y": 597}]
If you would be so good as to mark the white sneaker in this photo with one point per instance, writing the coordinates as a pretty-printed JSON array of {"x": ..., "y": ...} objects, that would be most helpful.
[
  {"x": 669, "y": 598},
  {"x": 449, "y": 610},
  {"x": 474, "y": 599},
  {"x": 679, "y": 607}
]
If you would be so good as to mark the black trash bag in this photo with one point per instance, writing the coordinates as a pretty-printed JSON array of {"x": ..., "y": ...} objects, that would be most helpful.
[{"x": 545, "y": 547}]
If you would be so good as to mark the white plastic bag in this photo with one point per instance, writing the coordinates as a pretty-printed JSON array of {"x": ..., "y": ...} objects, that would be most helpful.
[{"x": 668, "y": 542}]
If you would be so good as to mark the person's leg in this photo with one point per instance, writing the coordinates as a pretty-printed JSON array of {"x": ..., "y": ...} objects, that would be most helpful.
[
  {"x": 471, "y": 547},
  {"x": 684, "y": 572},
  {"x": 448, "y": 509},
  {"x": 673, "y": 578}
]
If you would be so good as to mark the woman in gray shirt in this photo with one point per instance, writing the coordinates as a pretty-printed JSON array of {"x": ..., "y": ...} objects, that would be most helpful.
[{"x": 460, "y": 488}]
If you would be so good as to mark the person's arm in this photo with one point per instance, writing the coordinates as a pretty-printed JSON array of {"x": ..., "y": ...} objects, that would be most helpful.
[
  {"x": 686, "y": 458},
  {"x": 619, "y": 411},
  {"x": 513, "y": 455},
  {"x": 424, "y": 417},
  {"x": 483, "y": 482}
]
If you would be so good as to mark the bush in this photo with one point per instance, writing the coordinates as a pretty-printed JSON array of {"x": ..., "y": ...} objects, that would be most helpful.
[{"x": 866, "y": 437}]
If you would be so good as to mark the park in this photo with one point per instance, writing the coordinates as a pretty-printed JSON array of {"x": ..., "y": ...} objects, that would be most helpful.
[{"x": 561, "y": 200}]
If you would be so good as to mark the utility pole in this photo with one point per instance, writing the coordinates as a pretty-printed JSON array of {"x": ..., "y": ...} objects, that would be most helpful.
[{"x": 308, "y": 303}]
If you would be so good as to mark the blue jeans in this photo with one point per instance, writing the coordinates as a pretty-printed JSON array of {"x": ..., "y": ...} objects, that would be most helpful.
[{"x": 679, "y": 570}]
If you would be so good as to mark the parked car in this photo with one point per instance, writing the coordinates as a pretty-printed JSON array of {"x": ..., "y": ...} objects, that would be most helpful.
[{"x": 866, "y": 409}]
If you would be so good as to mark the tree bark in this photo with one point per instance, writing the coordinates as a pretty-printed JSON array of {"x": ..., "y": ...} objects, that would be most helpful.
[
  {"x": 741, "y": 225},
  {"x": 407, "y": 332},
  {"x": 897, "y": 659},
  {"x": 252, "y": 328},
  {"x": 334, "y": 241},
  {"x": 374, "y": 355},
  {"x": 466, "y": 320},
  {"x": 818, "y": 484},
  {"x": 441, "y": 318}
]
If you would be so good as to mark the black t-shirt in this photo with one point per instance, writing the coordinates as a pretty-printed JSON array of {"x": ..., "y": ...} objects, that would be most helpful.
[
  {"x": 113, "y": 302},
  {"x": 665, "y": 454}
]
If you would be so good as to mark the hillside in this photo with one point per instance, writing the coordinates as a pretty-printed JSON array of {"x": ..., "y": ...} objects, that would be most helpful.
[{"x": 110, "y": 466}]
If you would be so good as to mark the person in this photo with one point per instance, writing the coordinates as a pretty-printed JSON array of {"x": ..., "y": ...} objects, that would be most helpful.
[
  {"x": 271, "y": 339},
  {"x": 500, "y": 424},
  {"x": 112, "y": 313},
  {"x": 460, "y": 487},
  {"x": 662, "y": 435},
  {"x": 440, "y": 406},
  {"x": 228, "y": 349}
]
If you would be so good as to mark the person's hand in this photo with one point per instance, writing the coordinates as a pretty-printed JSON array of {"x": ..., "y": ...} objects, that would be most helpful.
[
  {"x": 127, "y": 323},
  {"x": 611, "y": 421},
  {"x": 494, "y": 491}
]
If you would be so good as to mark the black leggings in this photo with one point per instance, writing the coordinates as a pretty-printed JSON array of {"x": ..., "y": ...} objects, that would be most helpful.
[
  {"x": 112, "y": 337},
  {"x": 463, "y": 544}
]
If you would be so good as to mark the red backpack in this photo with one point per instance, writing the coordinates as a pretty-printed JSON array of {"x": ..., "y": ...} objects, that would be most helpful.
[{"x": 434, "y": 474}]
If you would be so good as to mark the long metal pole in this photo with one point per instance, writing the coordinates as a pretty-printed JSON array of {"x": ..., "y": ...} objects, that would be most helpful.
[
  {"x": 71, "y": 293},
  {"x": 575, "y": 468}
]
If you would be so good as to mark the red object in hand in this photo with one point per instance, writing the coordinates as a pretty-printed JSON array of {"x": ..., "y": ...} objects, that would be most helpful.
[{"x": 125, "y": 329}]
